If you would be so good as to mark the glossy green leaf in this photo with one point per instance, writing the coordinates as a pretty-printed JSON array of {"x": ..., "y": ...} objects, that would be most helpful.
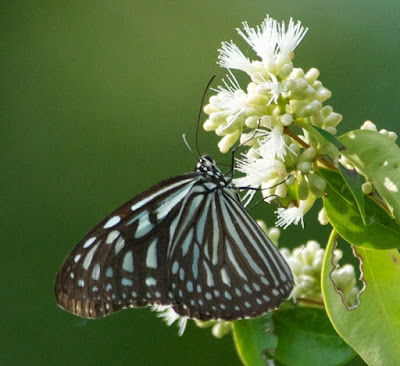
[
  {"x": 380, "y": 232},
  {"x": 354, "y": 182},
  {"x": 326, "y": 141},
  {"x": 379, "y": 158},
  {"x": 306, "y": 337},
  {"x": 253, "y": 338},
  {"x": 372, "y": 329},
  {"x": 330, "y": 138}
]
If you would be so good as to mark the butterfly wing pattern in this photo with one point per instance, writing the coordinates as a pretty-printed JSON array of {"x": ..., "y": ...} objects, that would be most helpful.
[{"x": 186, "y": 242}]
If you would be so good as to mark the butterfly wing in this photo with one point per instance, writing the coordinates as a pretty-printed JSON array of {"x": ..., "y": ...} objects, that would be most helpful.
[
  {"x": 121, "y": 262},
  {"x": 186, "y": 242},
  {"x": 223, "y": 266}
]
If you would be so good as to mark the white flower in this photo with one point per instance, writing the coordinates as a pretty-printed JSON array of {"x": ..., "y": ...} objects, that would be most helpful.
[
  {"x": 273, "y": 143},
  {"x": 263, "y": 39},
  {"x": 170, "y": 316},
  {"x": 290, "y": 39},
  {"x": 232, "y": 100},
  {"x": 294, "y": 214},
  {"x": 273, "y": 86},
  {"x": 306, "y": 263},
  {"x": 264, "y": 170},
  {"x": 231, "y": 57}
]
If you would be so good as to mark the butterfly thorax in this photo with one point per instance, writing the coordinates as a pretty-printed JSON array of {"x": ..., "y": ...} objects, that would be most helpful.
[{"x": 207, "y": 167}]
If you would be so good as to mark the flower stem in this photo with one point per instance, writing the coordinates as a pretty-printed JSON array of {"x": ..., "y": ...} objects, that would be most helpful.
[{"x": 321, "y": 158}]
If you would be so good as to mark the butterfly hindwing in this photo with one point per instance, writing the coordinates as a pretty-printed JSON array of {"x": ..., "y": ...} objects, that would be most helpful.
[{"x": 229, "y": 271}]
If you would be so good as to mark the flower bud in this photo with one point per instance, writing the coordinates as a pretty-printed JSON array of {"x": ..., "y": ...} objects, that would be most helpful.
[
  {"x": 281, "y": 190},
  {"x": 323, "y": 94},
  {"x": 209, "y": 108},
  {"x": 308, "y": 154},
  {"x": 366, "y": 187},
  {"x": 265, "y": 121},
  {"x": 317, "y": 119},
  {"x": 317, "y": 184},
  {"x": 228, "y": 141},
  {"x": 252, "y": 122},
  {"x": 274, "y": 233},
  {"x": 326, "y": 111},
  {"x": 333, "y": 119},
  {"x": 331, "y": 130},
  {"x": 392, "y": 136},
  {"x": 221, "y": 328},
  {"x": 208, "y": 125},
  {"x": 303, "y": 188},
  {"x": 218, "y": 117},
  {"x": 304, "y": 166},
  {"x": 290, "y": 84},
  {"x": 322, "y": 217},
  {"x": 286, "y": 119},
  {"x": 312, "y": 75},
  {"x": 368, "y": 125},
  {"x": 297, "y": 73},
  {"x": 310, "y": 108},
  {"x": 285, "y": 70}
]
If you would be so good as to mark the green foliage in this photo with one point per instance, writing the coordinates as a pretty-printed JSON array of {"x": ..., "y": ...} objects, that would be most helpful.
[
  {"x": 344, "y": 215},
  {"x": 379, "y": 159},
  {"x": 301, "y": 336},
  {"x": 252, "y": 339},
  {"x": 306, "y": 337},
  {"x": 353, "y": 182},
  {"x": 373, "y": 328}
]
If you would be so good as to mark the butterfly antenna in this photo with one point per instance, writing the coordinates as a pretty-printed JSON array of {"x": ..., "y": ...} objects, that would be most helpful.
[
  {"x": 199, "y": 116},
  {"x": 240, "y": 145},
  {"x": 186, "y": 142}
]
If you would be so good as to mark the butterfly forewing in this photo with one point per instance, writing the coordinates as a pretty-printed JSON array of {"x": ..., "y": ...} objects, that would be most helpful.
[
  {"x": 121, "y": 262},
  {"x": 186, "y": 242}
]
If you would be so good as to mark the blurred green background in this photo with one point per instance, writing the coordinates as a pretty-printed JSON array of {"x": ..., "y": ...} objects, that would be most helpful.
[{"x": 95, "y": 96}]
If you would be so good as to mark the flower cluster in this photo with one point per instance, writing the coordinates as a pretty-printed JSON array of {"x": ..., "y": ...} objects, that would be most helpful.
[
  {"x": 306, "y": 265},
  {"x": 272, "y": 116}
]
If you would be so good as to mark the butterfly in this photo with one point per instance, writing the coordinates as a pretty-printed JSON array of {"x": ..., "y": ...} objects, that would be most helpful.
[{"x": 186, "y": 242}]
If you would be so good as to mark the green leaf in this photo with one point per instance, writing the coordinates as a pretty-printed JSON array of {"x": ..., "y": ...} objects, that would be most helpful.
[
  {"x": 330, "y": 138},
  {"x": 379, "y": 159},
  {"x": 306, "y": 337},
  {"x": 252, "y": 338},
  {"x": 373, "y": 329},
  {"x": 354, "y": 182},
  {"x": 326, "y": 140},
  {"x": 380, "y": 231}
]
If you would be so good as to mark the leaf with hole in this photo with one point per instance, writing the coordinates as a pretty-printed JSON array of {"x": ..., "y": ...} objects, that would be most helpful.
[{"x": 372, "y": 329}]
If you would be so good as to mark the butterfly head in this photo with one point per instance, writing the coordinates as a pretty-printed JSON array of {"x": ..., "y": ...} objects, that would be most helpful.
[
  {"x": 207, "y": 160},
  {"x": 208, "y": 168}
]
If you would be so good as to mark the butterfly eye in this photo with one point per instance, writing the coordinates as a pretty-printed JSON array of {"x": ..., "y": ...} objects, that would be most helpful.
[
  {"x": 186, "y": 242},
  {"x": 208, "y": 158}
]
